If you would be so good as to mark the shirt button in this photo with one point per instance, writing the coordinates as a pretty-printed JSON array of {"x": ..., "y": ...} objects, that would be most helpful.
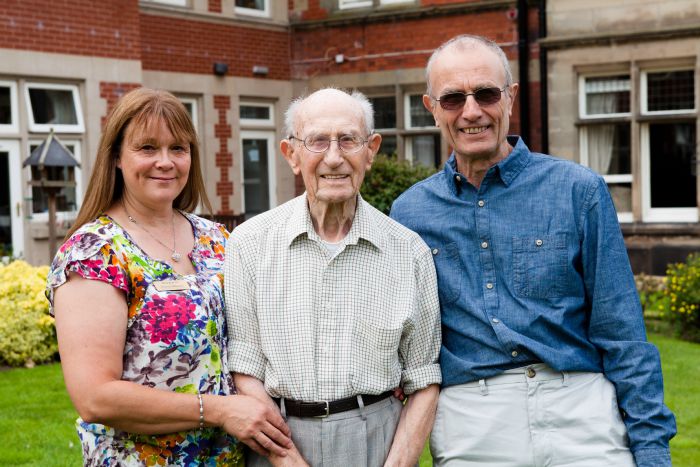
[
  {"x": 458, "y": 178},
  {"x": 538, "y": 242},
  {"x": 484, "y": 244},
  {"x": 496, "y": 320},
  {"x": 489, "y": 285},
  {"x": 435, "y": 251},
  {"x": 514, "y": 353},
  {"x": 481, "y": 203}
]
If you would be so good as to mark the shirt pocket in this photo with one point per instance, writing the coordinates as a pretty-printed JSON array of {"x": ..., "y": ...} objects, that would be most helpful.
[
  {"x": 375, "y": 363},
  {"x": 539, "y": 266},
  {"x": 449, "y": 272}
]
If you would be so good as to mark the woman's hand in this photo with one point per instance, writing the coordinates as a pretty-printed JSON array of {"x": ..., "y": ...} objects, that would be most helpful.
[{"x": 252, "y": 422}]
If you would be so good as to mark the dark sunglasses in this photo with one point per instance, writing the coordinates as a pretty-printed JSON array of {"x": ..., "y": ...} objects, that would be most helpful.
[{"x": 483, "y": 96}]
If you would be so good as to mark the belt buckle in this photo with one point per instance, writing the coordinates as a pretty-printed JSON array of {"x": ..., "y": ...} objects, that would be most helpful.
[{"x": 328, "y": 410}]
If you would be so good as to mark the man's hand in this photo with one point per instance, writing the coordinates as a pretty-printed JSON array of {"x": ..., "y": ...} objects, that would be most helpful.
[
  {"x": 257, "y": 425},
  {"x": 294, "y": 459}
]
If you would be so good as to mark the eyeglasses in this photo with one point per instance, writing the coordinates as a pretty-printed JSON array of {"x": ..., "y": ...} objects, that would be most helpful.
[
  {"x": 483, "y": 96},
  {"x": 320, "y": 143}
]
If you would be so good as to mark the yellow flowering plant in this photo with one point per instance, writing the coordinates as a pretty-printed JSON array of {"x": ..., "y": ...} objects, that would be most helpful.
[
  {"x": 683, "y": 293},
  {"x": 27, "y": 331}
]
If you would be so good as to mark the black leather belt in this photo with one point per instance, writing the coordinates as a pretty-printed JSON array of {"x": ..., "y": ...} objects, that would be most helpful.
[{"x": 326, "y": 408}]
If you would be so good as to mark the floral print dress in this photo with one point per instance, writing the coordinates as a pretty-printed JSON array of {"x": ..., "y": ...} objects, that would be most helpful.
[{"x": 175, "y": 339}]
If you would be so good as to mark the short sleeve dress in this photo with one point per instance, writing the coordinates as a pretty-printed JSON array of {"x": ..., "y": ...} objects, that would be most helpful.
[{"x": 175, "y": 337}]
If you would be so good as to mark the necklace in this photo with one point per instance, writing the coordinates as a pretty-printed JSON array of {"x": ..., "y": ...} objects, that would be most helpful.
[{"x": 175, "y": 256}]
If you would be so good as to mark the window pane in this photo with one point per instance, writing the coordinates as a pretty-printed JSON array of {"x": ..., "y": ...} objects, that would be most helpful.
[
  {"x": 420, "y": 116},
  {"x": 607, "y": 95},
  {"x": 622, "y": 196},
  {"x": 672, "y": 164},
  {"x": 65, "y": 198},
  {"x": 425, "y": 150},
  {"x": 5, "y": 205},
  {"x": 255, "y": 112},
  {"x": 609, "y": 148},
  {"x": 255, "y": 176},
  {"x": 53, "y": 106},
  {"x": 384, "y": 111},
  {"x": 388, "y": 146},
  {"x": 672, "y": 90},
  {"x": 5, "y": 106},
  {"x": 252, "y": 4},
  {"x": 354, "y": 3}
]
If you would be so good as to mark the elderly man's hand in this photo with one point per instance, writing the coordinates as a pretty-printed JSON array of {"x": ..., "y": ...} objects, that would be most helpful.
[
  {"x": 293, "y": 459},
  {"x": 255, "y": 424},
  {"x": 398, "y": 393}
]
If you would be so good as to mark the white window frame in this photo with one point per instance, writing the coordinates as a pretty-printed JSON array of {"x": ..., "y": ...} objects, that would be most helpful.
[
  {"x": 582, "y": 96},
  {"x": 650, "y": 214},
  {"x": 193, "y": 101},
  {"x": 622, "y": 216},
  {"x": 13, "y": 126},
  {"x": 168, "y": 2},
  {"x": 264, "y": 13},
  {"x": 270, "y": 136},
  {"x": 16, "y": 201},
  {"x": 79, "y": 127},
  {"x": 407, "y": 112},
  {"x": 257, "y": 121},
  {"x": 350, "y": 4},
  {"x": 78, "y": 175},
  {"x": 644, "y": 89}
]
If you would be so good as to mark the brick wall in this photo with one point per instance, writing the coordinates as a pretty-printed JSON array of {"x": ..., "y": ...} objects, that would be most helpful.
[
  {"x": 224, "y": 158},
  {"x": 391, "y": 45},
  {"x": 174, "y": 44},
  {"x": 112, "y": 92},
  {"x": 105, "y": 28}
]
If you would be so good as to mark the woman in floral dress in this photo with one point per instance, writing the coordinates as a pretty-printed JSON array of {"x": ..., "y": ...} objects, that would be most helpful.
[{"x": 137, "y": 295}]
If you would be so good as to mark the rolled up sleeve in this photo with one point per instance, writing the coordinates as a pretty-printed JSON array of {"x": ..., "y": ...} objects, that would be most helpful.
[
  {"x": 419, "y": 348},
  {"x": 245, "y": 353}
]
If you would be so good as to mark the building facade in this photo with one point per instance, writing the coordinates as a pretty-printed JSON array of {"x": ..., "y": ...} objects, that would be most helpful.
[
  {"x": 622, "y": 98},
  {"x": 236, "y": 65},
  {"x": 611, "y": 85}
]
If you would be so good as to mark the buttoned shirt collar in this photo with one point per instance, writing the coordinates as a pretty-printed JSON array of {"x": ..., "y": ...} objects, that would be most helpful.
[
  {"x": 362, "y": 227},
  {"x": 507, "y": 169}
]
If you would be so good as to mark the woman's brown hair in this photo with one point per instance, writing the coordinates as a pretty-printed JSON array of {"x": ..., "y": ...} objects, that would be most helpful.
[{"x": 142, "y": 107}]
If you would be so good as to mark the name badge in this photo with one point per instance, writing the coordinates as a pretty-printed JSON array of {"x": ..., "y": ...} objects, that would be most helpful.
[{"x": 171, "y": 285}]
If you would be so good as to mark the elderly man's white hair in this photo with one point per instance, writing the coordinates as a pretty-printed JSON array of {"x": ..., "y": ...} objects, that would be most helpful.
[
  {"x": 465, "y": 41},
  {"x": 292, "y": 113}
]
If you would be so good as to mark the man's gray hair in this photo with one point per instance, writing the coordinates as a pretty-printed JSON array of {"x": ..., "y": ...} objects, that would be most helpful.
[
  {"x": 462, "y": 42},
  {"x": 292, "y": 113}
]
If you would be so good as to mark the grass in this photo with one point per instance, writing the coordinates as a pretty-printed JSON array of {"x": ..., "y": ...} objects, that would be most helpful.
[{"x": 37, "y": 418}]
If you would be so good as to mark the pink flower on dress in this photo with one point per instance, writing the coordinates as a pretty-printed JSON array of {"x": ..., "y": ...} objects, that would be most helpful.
[{"x": 165, "y": 316}]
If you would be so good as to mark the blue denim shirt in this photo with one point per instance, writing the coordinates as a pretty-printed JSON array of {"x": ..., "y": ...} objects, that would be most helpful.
[{"x": 532, "y": 267}]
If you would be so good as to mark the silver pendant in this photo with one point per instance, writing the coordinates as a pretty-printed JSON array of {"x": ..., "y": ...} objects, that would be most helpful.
[{"x": 176, "y": 256}]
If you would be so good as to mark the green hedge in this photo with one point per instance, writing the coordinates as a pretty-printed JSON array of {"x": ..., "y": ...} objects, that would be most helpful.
[{"x": 388, "y": 178}]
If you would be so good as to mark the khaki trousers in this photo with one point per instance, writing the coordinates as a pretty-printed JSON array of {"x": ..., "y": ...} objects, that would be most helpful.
[{"x": 531, "y": 417}]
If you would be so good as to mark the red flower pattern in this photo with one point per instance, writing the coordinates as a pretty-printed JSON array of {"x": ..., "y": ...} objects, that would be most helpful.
[{"x": 165, "y": 316}]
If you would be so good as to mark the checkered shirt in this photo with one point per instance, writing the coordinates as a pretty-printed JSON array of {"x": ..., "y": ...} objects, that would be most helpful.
[{"x": 312, "y": 327}]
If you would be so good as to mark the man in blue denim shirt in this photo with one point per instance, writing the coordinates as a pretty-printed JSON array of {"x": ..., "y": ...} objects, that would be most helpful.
[{"x": 544, "y": 356}]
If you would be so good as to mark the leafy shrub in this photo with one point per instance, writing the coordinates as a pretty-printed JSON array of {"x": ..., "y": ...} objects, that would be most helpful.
[
  {"x": 27, "y": 332},
  {"x": 388, "y": 178},
  {"x": 683, "y": 293}
]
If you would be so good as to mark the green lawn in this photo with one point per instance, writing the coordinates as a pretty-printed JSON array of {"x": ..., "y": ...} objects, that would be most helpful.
[{"x": 37, "y": 419}]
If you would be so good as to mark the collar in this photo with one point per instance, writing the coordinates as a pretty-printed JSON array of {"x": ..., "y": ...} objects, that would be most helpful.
[
  {"x": 364, "y": 225},
  {"x": 507, "y": 169}
]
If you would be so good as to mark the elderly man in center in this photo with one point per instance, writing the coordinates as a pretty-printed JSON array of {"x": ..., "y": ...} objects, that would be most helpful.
[{"x": 334, "y": 304}]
